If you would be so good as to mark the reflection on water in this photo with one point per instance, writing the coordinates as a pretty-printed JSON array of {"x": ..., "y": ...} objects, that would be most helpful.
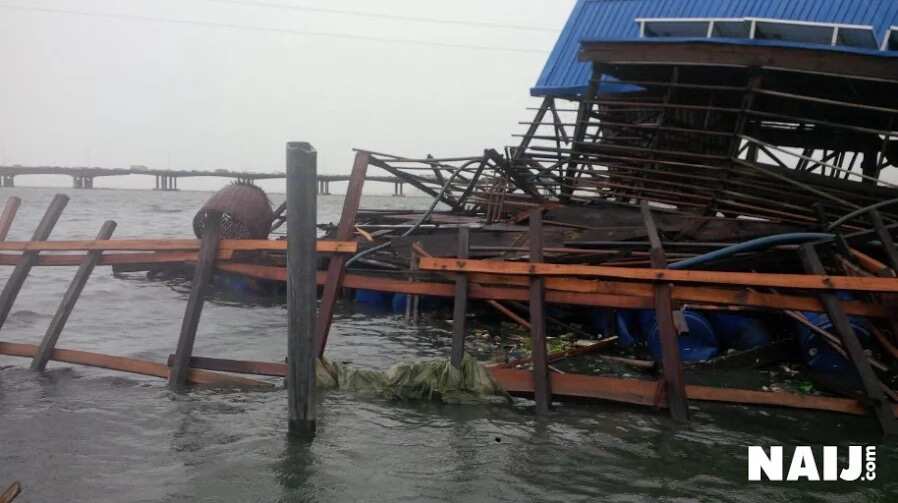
[{"x": 79, "y": 434}]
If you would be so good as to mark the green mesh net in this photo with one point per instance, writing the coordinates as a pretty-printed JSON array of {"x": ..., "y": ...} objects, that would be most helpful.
[{"x": 433, "y": 379}]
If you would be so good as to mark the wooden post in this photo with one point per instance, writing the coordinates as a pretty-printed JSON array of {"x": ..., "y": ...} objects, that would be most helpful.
[
  {"x": 460, "y": 306},
  {"x": 199, "y": 286},
  {"x": 302, "y": 290},
  {"x": 29, "y": 259},
  {"x": 542, "y": 391},
  {"x": 48, "y": 343},
  {"x": 345, "y": 231},
  {"x": 872, "y": 386},
  {"x": 9, "y": 214},
  {"x": 669, "y": 335}
]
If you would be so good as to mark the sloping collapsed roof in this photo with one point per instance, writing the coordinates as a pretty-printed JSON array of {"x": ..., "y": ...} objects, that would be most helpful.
[{"x": 565, "y": 75}]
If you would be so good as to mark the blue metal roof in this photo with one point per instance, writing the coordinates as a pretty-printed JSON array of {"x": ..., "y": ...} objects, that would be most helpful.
[{"x": 565, "y": 75}]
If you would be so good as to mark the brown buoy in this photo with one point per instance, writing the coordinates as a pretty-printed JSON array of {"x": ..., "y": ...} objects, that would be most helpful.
[{"x": 245, "y": 212}]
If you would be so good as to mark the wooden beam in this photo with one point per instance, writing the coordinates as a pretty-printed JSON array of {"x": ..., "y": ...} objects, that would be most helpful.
[
  {"x": 543, "y": 391},
  {"x": 707, "y": 52},
  {"x": 11, "y": 492},
  {"x": 48, "y": 343},
  {"x": 302, "y": 292},
  {"x": 199, "y": 285},
  {"x": 8, "y": 216},
  {"x": 872, "y": 386},
  {"x": 344, "y": 232},
  {"x": 573, "y": 291},
  {"x": 125, "y": 364},
  {"x": 688, "y": 294},
  {"x": 160, "y": 245},
  {"x": 669, "y": 335},
  {"x": 20, "y": 273},
  {"x": 804, "y": 281},
  {"x": 460, "y": 304}
]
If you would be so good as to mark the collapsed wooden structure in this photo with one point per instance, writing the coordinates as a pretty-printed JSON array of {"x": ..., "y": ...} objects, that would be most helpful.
[{"x": 708, "y": 175}]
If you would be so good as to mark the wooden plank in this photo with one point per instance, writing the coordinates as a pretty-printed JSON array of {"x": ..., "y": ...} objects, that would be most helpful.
[
  {"x": 236, "y": 366},
  {"x": 460, "y": 303},
  {"x": 109, "y": 259},
  {"x": 302, "y": 292},
  {"x": 8, "y": 216},
  {"x": 803, "y": 281},
  {"x": 574, "y": 291},
  {"x": 125, "y": 364},
  {"x": 852, "y": 346},
  {"x": 669, "y": 335},
  {"x": 543, "y": 391},
  {"x": 344, "y": 233},
  {"x": 642, "y": 392},
  {"x": 11, "y": 492},
  {"x": 48, "y": 343},
  {"x": 689, "y": 294},
  {"x": 199, "y": 285},
  {"x": 20, "y": 273},
  {"x": 230, "y": 245}
]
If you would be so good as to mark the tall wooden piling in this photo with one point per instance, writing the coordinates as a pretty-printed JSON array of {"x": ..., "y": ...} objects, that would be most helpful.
[
  {"x": 667, "y": 330},
  {"x": 199, "y": 287},
  {"x": 542, "y": 390},
  {"x": 29, "y": 258},
  {"x": 9, "y": 214},
  {"x": 48, "y": 343},
  {"x": 302, "y": 293},
  {"x": 460, "y": 306}
]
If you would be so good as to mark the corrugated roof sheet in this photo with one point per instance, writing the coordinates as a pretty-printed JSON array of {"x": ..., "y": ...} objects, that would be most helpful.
[{"x": 564, "y": 75}]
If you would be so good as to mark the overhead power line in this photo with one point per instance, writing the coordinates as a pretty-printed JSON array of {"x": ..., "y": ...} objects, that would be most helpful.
[
  {"x": 379, "y": 15},
  {"x": 262, "y": 29}
]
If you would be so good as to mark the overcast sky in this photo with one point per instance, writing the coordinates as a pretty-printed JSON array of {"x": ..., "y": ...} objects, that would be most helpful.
[{"x": 110, "y": 84}]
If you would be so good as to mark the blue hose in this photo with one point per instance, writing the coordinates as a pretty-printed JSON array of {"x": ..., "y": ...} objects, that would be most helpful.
[{"x": 754, "y": 244}]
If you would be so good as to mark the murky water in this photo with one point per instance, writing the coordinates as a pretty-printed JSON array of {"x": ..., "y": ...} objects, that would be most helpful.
[{"x": 80, "y": 434}]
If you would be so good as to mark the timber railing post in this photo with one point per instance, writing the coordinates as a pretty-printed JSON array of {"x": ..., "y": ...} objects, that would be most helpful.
[
  {"x": 199, "y": 286},
  {"x": 29, "y": 258},
  {"x": 48, "y": 343},
  {"x": 667, "y": 330},
  {"x": 541, "y": 386},
  {"x": 345, "y": 230},
  {"x": 302, "y": 289},
  {"x": 460, "y": 305}
]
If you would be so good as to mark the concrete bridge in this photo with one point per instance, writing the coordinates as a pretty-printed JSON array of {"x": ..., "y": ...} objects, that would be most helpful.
[{"x": 167, "y": 179}]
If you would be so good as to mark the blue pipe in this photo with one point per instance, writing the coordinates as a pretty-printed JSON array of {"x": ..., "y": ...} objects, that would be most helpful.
[{"x": 754, "y": 244}]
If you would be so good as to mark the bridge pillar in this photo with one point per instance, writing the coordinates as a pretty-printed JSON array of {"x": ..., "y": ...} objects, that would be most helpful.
[
  {"x": 76, "y": 182},
  {"x": 88, "y": 182},
  {"x": 9, "y": 181},
  {"x": 398, "y": 189}
]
